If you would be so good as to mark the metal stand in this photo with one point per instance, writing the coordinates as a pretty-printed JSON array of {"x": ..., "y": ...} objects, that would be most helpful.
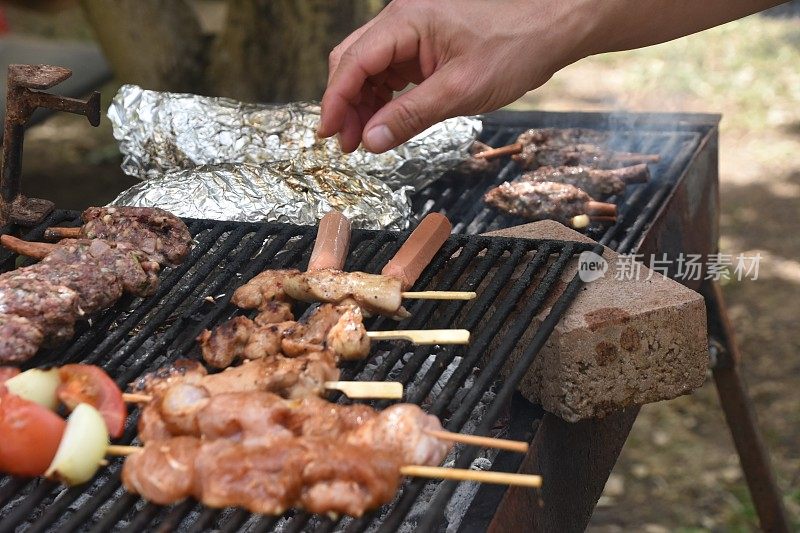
[
  {"x": 25, "y": 85},
  {"x": 741, "y": 417}
]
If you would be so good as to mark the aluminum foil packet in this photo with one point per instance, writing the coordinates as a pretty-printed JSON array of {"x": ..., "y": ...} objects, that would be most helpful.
[
  {"x": 298, "y": 191},
  {"x": 159, "y": 132}
]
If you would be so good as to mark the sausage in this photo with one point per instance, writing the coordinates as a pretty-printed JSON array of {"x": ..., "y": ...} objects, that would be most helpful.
[
  {"x": 419, "y": 249},
  {"x": 332, "y": 244}
]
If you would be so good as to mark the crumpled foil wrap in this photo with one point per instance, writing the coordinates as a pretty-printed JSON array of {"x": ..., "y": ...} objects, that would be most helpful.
[
  {"x": 300, "y": 191},
  {"x": 160, "y": 131}
]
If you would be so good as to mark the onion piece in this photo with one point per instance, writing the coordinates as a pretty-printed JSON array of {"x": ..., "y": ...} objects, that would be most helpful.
[
  {"x": 82, "y": 447},
  {"x": 36, "y": 385}
]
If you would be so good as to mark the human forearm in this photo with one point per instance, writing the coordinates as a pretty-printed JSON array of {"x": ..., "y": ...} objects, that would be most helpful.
[{"x": 627, "y": 24}]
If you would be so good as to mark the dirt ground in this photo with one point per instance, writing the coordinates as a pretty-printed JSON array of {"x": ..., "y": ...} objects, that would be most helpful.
[{"x": 679, "y": 470}]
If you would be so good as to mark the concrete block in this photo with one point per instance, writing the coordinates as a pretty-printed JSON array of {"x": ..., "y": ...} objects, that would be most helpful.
[{"x": 621, "y": 343}]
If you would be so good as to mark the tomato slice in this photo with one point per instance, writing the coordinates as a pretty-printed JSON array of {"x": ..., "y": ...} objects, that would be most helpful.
[
  {"x": 90, "y": 384},
  {"x": 30, "y": 436},
  {"x": 7, "y": 372}
]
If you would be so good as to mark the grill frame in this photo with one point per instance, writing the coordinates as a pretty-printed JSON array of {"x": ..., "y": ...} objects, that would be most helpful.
[{"x": 166, "y": 324}]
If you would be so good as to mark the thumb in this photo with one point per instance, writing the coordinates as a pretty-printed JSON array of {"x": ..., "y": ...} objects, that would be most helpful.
[{"x": 432, "y": 101}]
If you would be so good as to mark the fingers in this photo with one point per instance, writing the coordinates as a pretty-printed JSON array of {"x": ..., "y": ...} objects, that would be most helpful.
[
  {"x": 432, "y": 101},
  {"x": 372, "y": 54}
]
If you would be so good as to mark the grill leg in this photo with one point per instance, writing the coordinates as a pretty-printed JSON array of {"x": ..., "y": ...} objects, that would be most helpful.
[{"x": 741, "y": 417}]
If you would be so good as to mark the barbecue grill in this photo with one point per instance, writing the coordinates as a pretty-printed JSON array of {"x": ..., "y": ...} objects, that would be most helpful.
[{"x": 675, "y": 212}]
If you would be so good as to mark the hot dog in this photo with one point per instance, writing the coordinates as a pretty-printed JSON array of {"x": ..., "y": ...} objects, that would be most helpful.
[
  {"x": 332, "y": 244},
  {"x": 418, "y": 250}
]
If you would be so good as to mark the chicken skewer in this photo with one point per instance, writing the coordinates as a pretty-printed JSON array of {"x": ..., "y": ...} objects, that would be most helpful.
[
  {"x": 546, "y": 200},
  {"x": 374, "y": 293},
  {"x": 310, "y": 374},
  {"x": 156, "y": 232},
  {"x": 269, "y": 478},
  {"x": 338, "y": 328},
  {"x": 185, "y": 409}
]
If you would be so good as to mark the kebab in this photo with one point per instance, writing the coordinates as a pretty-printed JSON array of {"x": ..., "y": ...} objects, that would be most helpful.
[
  {"x": 156, "y": 232},
  {"x": 547, "y": 200},
  {"x": 566, "y": 147},
  {"x": 374, "y": 293},
  {"x": 597, "y": 183},
  {"x": 41, "y": 303},
  {"x": 71, "y": 452}
]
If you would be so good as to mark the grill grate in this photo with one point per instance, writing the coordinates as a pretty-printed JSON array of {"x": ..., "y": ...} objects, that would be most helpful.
[
  {"x": 513, "y": 278},
  {"x": 461, "y": 200}
]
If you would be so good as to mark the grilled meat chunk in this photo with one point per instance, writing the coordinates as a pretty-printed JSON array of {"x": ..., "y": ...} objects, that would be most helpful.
[
  {"x": 137, "y": 274},
  {"x": 268, "y": 478},
  {"x": 164, "y": 471},
  {"x": 473, "y": 166},
  {"x": 273, "y": 312},
  {"x": 290, "y": 377},
  {"x": 158, "y": 233},
  {"x": 538, "y": 201},
  {"x": 336, "y": 327},
  {"x": 249, "y": 417},
  {"x": 533, "y": 156},
  {"x": 597, "y": 183},
  {"x": 373, "y": 293},
  {"x": 264, "y": 288},
  {"x": 401, "y": 431},
  {"x": 181, "y": 371},
  {"x": 563, "y": 136},
  {"x": 262, "y": 478},
  {"x": 97, "y": 287},
  {"x": 345, "y": 479},
  {"x": 20, "y": 339},
  {"x": 51, "y": 308}
]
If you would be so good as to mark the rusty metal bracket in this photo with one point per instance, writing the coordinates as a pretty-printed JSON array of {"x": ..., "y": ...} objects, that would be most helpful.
[{"x": 25, "y": 86}]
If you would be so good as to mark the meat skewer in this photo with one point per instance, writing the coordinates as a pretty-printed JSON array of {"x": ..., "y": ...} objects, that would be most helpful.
[
  {"x": 269, "y": 478},
  {"x": 41, "y": 303},
  {"x": 546, "y": 200},
  {"x": 597, "y": 183},
  {"x": 311, "y": 374},
  {"x": 375, "y": 293},
  {"x": 566, "y": 147},
  {"x": 154, "y": 231},
  {"x": 189, "y": 410},
  {"x": 338, "y": 328}
]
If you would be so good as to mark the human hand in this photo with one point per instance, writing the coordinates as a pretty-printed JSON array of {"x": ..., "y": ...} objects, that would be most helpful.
[{"x": 465, "y": 57}]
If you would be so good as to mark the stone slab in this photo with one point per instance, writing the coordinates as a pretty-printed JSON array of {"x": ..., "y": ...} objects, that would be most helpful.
[{"x": 621, "y": 343}]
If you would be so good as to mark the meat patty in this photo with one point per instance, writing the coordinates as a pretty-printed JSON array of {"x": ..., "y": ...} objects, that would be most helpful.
[
  {"x": 539, "y": 201},
  {"x": 51, "y": 308},
  {"x": 20, "y": 339},
  {"x": 158, "y": 233}
]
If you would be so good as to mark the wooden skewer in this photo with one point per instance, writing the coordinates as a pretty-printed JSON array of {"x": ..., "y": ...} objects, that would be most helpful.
[
  {"x": 432, "y": 472},
  {"x": 601, "y": 208},
  {"x": 440, "y": 295},
  {"x": 36, "y": 250},
  {"x": 389, "y": 390},
  {"x": 481, "y": 476},
  {"x": 582, "y": 221},
  {"x": 477, "y": 440},
  {"x": 383, "y": 390},
  {"x": 62, "y": 233},
  {"x": 494, "y": 153},
  {"x": 424, "y": 336},
  {"x": 134, "y": 397}
]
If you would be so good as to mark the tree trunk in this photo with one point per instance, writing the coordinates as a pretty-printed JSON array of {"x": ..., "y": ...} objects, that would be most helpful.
[
  {"x": 157, "y": 44},
  {"x": 277, "y": 50}
]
